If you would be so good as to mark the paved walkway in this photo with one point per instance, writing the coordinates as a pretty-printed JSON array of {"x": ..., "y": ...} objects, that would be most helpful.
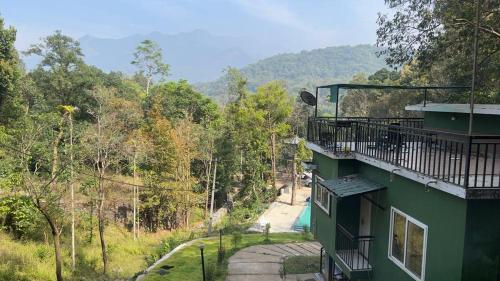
[
  {"x": 280, "y": 214},
  {"x": 264, "y": 262}
]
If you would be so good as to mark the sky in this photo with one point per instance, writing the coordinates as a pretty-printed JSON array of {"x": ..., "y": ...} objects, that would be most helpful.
[{"x": 296, "y": 24}]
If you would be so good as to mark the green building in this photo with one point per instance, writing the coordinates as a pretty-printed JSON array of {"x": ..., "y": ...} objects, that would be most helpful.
[{"x": 397, "y": 199}]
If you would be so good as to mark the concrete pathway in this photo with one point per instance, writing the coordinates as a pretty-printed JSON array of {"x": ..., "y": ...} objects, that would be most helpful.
[
  {"x": 280, "y": 214},
  {"x": 264, "y": 262}
]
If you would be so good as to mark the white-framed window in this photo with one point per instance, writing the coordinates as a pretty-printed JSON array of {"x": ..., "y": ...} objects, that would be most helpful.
[
  {"x": 408, "y": 244},
  {"x": 321, "y": 196}
]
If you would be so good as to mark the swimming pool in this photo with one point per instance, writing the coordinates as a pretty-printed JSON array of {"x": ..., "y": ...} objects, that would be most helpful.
[{"x": 304, "y": 219}]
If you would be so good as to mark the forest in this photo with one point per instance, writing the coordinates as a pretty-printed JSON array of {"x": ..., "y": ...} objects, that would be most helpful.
[{"x": 97, "y": 169}]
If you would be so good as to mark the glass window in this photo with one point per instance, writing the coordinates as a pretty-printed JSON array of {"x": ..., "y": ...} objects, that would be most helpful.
[
  {"x": 408, "y": 242},
  {"x": 322, "y": 196},
  {"x": 415, "y": 249},
  {"x": 398, "y": 236}
]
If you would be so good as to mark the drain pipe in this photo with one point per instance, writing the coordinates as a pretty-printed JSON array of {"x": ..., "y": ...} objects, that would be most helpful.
[{"x": 391, "y": 176}]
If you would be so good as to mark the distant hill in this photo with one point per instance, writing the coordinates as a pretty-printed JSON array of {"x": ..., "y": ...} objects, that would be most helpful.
[
  {"x": 196, "y": 56},
  {"x": 307, "y": 68}
]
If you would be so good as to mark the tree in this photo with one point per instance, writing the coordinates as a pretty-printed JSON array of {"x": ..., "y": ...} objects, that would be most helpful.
[
  {"x": 438, "y": 37},
  {"x": 61, "y": 74},
  {"x": 42, "y": 170},
  {"x": 148, "y": 59},
  {"x": 104, "y": 140},
  {"x": 9, "y": 71},
  {"x": 275, "y": 106}
]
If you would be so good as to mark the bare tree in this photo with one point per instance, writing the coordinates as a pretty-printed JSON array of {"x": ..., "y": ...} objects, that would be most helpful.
[{"x": 104, "y": 139}]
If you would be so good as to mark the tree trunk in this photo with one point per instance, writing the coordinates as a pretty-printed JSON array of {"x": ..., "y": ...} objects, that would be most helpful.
[
  {"x": 57, "y": 241},
  {"x": 294, "y": 179},
  {"x": 148, "y": 83},
  {"x": 57, "y": 249},
  {"x": 72, "y": 190},
  {"x": 100, "y": 211},
  {"x": 135, "y": 198},
  {"x": 273, "y": 159},
  {"x": 207, "y": 187}
]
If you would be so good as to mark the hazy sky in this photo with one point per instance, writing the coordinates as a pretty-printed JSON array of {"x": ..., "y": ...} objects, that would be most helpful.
[{"x": 300, "y": 24}]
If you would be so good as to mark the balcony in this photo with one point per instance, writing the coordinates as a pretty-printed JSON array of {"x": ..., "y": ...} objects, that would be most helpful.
[
  {"x": 352, "y": 252},
  {"x": 470, "y": 162}
]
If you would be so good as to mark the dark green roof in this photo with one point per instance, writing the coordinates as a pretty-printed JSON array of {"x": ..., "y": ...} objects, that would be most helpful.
[{"x": 351, "y": 185}]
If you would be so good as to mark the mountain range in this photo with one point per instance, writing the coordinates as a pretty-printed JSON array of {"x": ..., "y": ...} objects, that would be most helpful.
[
  {"x": 307, "y": 68},
  {"x": 200, "y": 57}
]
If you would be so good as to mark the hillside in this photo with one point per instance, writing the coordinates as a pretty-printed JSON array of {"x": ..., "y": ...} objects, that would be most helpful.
[{"x": 307, "y": 68}]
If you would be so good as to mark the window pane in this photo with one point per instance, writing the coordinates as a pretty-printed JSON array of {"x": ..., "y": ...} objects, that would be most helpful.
[
  {"x": 398, "y": 236},
  {"x": 415, "y": 249},
  {"x": 324, "y": 198},
  {"x": 318, "y": 193}
]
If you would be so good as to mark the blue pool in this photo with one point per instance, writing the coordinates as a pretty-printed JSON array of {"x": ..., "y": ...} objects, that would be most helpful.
[{"x": 304, "y": 218}]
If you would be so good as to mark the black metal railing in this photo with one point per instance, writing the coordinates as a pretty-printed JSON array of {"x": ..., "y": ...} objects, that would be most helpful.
[
  {"x": 468, "y": 161},
  {"x": 353, "y": 250}
]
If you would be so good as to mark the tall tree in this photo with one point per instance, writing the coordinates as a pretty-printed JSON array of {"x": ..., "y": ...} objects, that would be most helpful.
[
  {"x": 275, "y": 106},
  {"x": 148, "y": 58},
  {"x": 438, "y": 37},
  {"x": 104, "y": 140},
  {"x": 9, "y": 70}
]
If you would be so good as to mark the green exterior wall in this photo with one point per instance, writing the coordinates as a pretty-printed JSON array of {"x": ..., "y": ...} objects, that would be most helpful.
[
  {"x": 443, "y": 121},
  {"x": 322, "y": 224},
  {"x": 482, "y": 245},
  {"x": 444, "y": 214}
]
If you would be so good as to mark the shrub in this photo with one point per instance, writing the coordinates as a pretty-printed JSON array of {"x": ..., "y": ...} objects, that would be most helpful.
[
  {"x": 266, "y": 232},
  {"x": 163, "y": 249},
  {"x": 221, "y": 253},
  {"x": 306, "y": 233},
  {"x": 236, "y": 239},
  {"x": 211, "y": 272}
]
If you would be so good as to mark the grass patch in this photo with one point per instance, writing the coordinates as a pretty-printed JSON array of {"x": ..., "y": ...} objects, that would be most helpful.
[
  {"x": 186, "y": 264},
  {"x": 34, "y": 260},
  {"x": 301, "y": 264}
]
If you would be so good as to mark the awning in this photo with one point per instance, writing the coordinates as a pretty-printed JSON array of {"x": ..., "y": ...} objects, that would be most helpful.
[{"x": 351, "y": 185}]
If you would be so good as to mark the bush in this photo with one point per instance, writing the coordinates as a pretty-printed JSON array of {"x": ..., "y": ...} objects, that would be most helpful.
[
  {"x": 266, "y": 232},
  {"x": 221, "y": 254},
  {"x": 163, "y": 249},
  {"x": 236, "y": 239},
  {"x": 211, "y": 272},
  {"x": 306, "y": 233}
]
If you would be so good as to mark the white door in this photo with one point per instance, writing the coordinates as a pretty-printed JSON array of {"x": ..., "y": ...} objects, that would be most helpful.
[{"x": 365, "y": 214}]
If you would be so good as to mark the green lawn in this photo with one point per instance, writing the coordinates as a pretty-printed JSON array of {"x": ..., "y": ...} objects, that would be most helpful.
[{"x": 186, "y": 264}]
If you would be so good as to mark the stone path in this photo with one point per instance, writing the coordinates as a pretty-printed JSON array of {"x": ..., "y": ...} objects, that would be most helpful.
[
  {"x": 280, "y": 214},
  {"x": 264, "y": 262}
]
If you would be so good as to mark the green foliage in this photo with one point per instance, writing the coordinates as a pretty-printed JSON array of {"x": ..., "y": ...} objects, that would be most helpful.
[
  {"x": 267, "y": 231},
  {"x": 437, "y": 37},
  {"x": 148, "y": 58},
  {"x": 9, "y": 70},
  {"x": 306, "y": 233},
  {"x": 236, "y": 237},
  {"x": 306, "y": 69},
  {"x": 19, "y": 216},
  {"x": 178, "y": 100}
]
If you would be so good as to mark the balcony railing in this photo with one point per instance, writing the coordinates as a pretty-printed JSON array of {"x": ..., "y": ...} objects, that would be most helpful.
[
  {"x": 354, "y": 251},
  {"x": 468, "y": 161}
]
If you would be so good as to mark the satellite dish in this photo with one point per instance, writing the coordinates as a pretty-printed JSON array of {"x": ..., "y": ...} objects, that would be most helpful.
[{"x": 308, "y": 98}]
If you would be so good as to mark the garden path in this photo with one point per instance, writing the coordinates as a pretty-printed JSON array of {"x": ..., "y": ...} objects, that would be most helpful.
[{"x": 264, "y": 262}]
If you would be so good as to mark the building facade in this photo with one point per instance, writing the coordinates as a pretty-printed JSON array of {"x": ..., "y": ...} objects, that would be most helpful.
[{"x": 407, "y": 198}]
